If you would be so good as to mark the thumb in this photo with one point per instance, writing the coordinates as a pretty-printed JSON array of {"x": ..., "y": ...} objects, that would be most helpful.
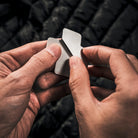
[
  {"x": 38, "y": 63},
  {"x": 80, "y": 85}
]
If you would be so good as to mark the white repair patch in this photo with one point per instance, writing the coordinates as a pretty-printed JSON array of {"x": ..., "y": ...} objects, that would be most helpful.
[{"x": 70, "y": 46}]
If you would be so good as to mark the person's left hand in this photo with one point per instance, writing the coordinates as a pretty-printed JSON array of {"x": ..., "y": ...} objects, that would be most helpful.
[{"x": 19, "y": 69}]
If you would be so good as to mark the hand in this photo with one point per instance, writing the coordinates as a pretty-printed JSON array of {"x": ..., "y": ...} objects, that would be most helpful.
[
  {"x": 116, "y": 116},
  {"x": 19, "y": 104}
]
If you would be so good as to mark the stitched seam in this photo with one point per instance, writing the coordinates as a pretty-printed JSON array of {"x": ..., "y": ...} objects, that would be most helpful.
[
  {"x": 113, "y": 22},
  {"x": 107, "y": 30},
  {"x": 70, "y": 16},
  {"x": 91, "y": 18},
  {"x": 14, "y": 36},
  {"x": 128, "y": 36}
]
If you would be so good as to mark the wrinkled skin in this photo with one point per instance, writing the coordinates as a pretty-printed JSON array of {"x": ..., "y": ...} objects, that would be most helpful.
[
  {"x": 116, "y": 116},
  {"x": 19, "y": 69}
]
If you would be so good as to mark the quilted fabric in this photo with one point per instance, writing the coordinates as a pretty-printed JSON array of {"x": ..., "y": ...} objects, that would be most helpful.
[{"x": 113, "y": 23}]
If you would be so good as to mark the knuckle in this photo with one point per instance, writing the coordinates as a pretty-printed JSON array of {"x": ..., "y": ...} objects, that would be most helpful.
[
  {"x": 9, "y": 61},
  {"x": 117, "y": 53},
  {"x": 2, "y": 59},
  {"x": 131, "y": 92},
  {"x": 120, "y": 52},
  {"x": 131, "y": 57},
  {"x": 33, "y": 48}
]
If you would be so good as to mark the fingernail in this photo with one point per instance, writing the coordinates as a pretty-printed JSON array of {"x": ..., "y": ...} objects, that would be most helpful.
[
  {"x": 54, "y": 50},
  {"x": 74, "y": 61}
]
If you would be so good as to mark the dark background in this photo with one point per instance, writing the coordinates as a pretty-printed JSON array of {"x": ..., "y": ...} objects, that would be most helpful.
[{"x": 113, "y": 23}]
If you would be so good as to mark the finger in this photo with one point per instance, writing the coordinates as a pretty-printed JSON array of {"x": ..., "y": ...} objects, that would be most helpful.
[
  {"x": 47, "y": 80},
  {"x": 9, "y": 62},
  {"x": 80, "y": 84},
  {"x": 40, "y": 62},
  {"x": 101, "y": 92},
  {"x": 134, "y": 61},
  {"x": 100, "y": 72},
  {"x": 116, "y": 59},
  {"x": 25, "y": 52},
  {"x": 53, "y": 94}
]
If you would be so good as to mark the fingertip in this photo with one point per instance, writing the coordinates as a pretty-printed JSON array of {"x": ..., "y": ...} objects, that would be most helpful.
[
  {"x": 87, "y": 51},
  {"x": 74, "y": 61},
  {"x": 87, "y": 48},
  {"x": 84, "y": 50},
  {"x": 54, "y": 50}
]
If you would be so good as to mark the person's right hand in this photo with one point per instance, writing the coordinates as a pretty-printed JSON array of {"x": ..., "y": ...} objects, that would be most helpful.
[{"x": 117, "y": 115}]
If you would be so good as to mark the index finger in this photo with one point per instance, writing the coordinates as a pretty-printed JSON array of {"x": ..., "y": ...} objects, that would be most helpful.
[
  {"x": 24, "y": 53},
  {"x": 115, "y": 58}
]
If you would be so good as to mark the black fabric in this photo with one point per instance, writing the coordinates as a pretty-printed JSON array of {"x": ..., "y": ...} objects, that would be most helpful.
[{"x": 113, "y": 23}]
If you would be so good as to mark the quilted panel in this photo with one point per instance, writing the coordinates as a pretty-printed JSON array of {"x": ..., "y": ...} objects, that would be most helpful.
[{"x": 113, "y": 23}]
